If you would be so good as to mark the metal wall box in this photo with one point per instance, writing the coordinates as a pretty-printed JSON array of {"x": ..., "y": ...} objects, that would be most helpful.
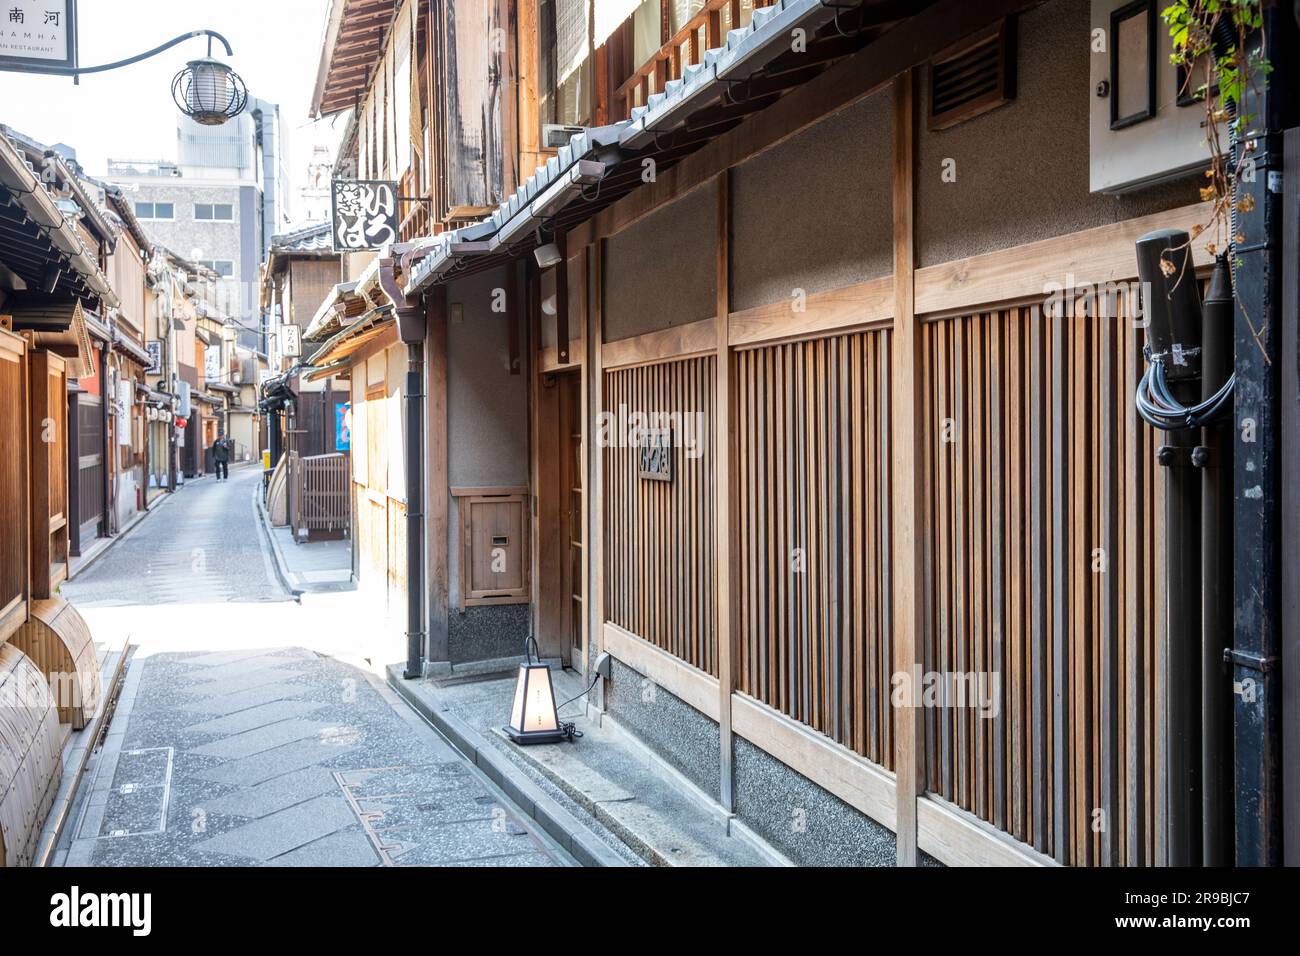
[{"x": 1139, "y": 132}]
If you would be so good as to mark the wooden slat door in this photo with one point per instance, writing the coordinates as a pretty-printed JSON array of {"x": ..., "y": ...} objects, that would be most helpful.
[{"x": 572, "y": 504}]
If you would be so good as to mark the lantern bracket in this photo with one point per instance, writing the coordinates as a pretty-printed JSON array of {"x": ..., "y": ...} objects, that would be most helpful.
[{"x": 117, "y": 64}]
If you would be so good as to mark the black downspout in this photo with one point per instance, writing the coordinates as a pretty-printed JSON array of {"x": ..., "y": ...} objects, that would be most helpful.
[
  {"x": 414, "y": 513},
  {"x": 1214, "y": 458},
  {"x": 412, "y": 325},
  {"x": 107, "y": 528},
  {"x": 1257, "y": 465},
  {"x": 1174, "y": 331}
]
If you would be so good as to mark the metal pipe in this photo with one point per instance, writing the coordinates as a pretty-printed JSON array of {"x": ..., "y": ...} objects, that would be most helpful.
[
  {"x": 1174, "y": 330},
  {"x": 414, "y": 512},
  {"x": 1258, "y": 463},
  {"x": 1214, "y": 458}
]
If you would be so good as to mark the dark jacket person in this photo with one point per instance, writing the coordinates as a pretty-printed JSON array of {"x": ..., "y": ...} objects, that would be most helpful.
[{"x": 221, "y": 457}]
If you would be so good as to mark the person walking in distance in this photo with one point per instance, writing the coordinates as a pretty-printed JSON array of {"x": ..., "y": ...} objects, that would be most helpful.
[{"x": 221, "y": 457}]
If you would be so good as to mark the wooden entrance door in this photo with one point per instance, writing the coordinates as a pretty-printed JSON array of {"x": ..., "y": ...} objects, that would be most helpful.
[{"x": 571, "y": 511}]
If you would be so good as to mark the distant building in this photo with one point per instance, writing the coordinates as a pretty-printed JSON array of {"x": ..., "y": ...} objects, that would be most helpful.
[{"x": 218, "y": 203}]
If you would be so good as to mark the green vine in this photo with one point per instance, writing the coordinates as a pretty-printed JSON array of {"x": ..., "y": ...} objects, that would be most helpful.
[{"x": 1226, "y": 80}]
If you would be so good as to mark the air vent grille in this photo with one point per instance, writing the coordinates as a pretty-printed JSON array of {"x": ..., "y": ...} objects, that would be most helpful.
[{"x": 974, "y": 77}]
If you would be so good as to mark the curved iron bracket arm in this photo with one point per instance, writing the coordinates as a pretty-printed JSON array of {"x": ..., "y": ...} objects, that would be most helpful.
[{"x": 103, "y": 68}]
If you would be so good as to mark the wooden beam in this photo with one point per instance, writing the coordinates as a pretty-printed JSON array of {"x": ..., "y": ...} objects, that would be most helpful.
[
  {"x": 857, "y": 781},
  {"x": 957, "y": 838},
  {"x": 849, "y": 309},
  {"x": 436, "y": 537},
  {"x": 1097, "y": 256},
  {"x": 678, "y": 341},
  {"x": 908, "y": 599},
  {"x": 692, "y": 685}
]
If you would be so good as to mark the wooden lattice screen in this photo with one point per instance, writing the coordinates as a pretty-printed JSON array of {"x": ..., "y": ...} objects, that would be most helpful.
[
  {"x": 660, "y": 533},
  {"x": 812, "y": 443},
  {"x": 1039, "y": 545}
]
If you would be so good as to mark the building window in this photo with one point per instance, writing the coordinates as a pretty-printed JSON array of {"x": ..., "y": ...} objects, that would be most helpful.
[
  {"x": 219, "y": 211},
  {"x": 155, "y": 210},
  {"x": 222, "y": 267}
]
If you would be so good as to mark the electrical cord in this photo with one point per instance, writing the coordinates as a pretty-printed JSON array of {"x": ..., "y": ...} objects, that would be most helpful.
[{"x": 1158, "y": 407}]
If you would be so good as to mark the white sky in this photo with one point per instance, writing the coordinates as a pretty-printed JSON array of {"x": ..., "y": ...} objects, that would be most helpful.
[{"x": 129, "y": 114}]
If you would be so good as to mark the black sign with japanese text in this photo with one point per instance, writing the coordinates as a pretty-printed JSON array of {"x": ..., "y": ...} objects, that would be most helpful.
[{"x": 365, "y": 214}]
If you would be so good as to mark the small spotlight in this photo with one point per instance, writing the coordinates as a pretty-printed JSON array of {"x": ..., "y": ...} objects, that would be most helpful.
[{"x": 547, "y": 255}]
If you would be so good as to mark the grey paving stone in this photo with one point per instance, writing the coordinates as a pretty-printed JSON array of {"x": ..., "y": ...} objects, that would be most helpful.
[
  {"x": 231, "y": 703},
  {"x": 275, "y": 794},
  {"x": 254, "y": 717},
  {"x": 441, "y": 845},
  {"x": 239, "y": 684},
  {"x": 261, "y": 739},
  {"x": 272, "y": 763},
  {"x": 345, "y": 848},
  {"x": 286, "y": 830},
  {"x": 244, "y": 668}
]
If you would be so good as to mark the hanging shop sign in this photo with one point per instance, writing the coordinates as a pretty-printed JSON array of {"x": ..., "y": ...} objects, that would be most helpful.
[
  {"x": 122, "y": 409},
  {"x": 364, "y": 214},
  {"x": 212, "y": 363},
  {"x": 291, "y": 340},
  {"x": 155, "y": 357},
  {"x": 38, "y": 35}
]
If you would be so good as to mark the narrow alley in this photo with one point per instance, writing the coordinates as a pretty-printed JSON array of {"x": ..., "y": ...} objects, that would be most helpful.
[{"x": 237, "y": 741}]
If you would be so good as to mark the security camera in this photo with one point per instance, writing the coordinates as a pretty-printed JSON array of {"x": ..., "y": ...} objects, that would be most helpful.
[{"x": 547, "y": 255}]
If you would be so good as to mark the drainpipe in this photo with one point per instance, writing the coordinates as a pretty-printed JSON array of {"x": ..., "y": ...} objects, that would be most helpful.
[
  {"x": 411, "y": 324},
  {"x": 106, "y": 444},
  {"x": 1258, "y": 466}
]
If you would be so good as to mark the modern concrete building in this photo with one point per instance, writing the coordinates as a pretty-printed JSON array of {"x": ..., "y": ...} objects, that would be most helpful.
[{"x": 218, "y": 203}]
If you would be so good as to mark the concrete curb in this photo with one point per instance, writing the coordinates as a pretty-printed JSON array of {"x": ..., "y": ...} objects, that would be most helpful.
[
  {"x": 581, "y": 843},
  {"x": 281, "y": 565}
]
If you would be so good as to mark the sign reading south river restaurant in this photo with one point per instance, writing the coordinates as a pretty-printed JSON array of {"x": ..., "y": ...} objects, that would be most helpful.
[
  {"x": 38, "y": 34},
  {"x": 365, "y": 213}
]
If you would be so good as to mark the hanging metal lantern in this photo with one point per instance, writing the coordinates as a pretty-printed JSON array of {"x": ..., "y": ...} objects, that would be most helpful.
[{"x": 209, "y": 92}]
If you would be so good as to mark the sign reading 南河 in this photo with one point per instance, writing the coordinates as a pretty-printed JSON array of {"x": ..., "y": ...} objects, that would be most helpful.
[
  {"x": 37, "y": 35},
  {"x": 365, "y": 214}
]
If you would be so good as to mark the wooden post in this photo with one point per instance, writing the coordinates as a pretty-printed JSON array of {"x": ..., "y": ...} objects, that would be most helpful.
[
  {"x": 724, "y": 445},
  {"x": 594, "y": 546},
  {"x": 436, "y": 543},
  {"x": 909, "y": 741}
]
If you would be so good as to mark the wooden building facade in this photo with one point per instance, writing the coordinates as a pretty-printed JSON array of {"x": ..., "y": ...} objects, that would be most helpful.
[
  {"x": 51, "y": 288},
  {"x": 809, "y": 399}
]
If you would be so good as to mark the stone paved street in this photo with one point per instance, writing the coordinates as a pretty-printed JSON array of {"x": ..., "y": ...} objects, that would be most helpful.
[{"x": 247, "y": 734}]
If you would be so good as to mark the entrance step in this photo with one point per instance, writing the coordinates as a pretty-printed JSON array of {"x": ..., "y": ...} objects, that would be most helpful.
[{"x": 610, "y": 784}]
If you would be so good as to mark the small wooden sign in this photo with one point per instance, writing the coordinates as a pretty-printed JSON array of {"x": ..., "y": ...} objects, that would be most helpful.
[{"x": 655, "y": 454}]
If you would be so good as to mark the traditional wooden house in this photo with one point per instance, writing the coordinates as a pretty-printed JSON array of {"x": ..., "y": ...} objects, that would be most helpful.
[
  {"x": 800, "y": 379},
  {"x": 51, "y": 284},
  {"x": 130, "y": 360}
]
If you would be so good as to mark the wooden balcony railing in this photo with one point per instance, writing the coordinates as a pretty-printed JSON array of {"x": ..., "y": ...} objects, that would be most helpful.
[{"x": 704, "y": 31}]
